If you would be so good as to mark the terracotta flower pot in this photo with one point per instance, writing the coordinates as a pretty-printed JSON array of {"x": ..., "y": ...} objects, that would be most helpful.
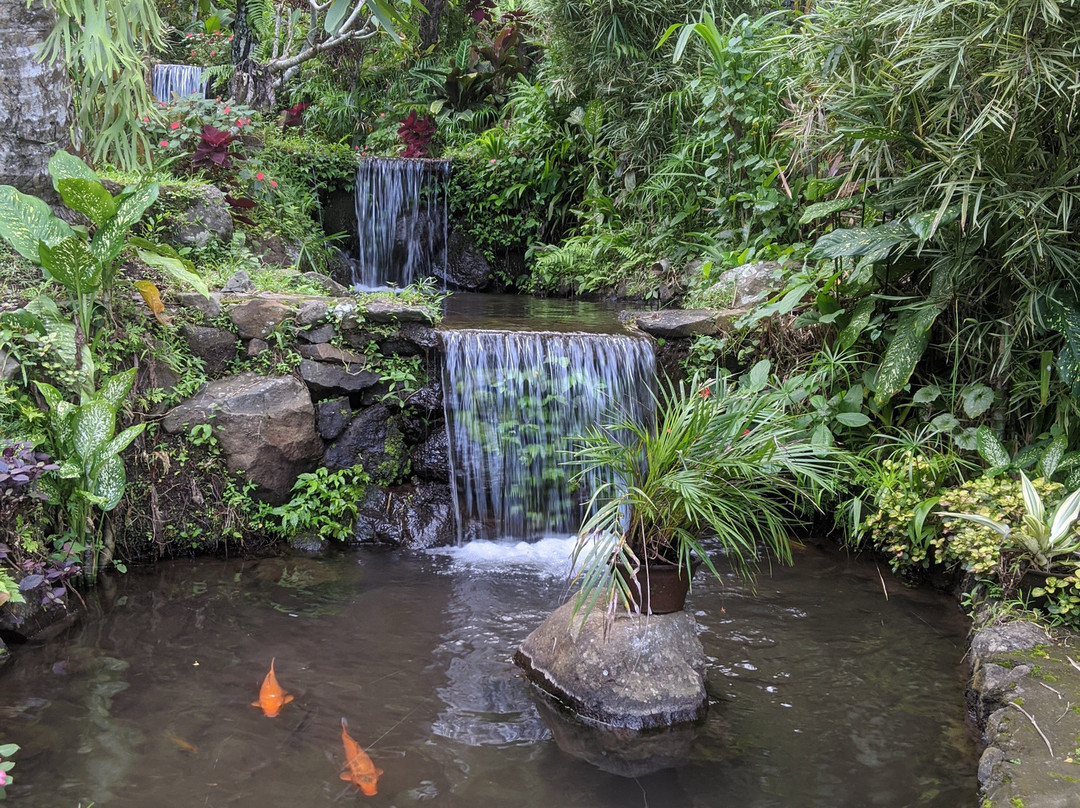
[{"x": 661, "y": 588}]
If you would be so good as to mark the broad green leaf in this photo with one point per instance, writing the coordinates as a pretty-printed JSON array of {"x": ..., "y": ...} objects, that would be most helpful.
[
  {"x": 65, "y": 166},
  {"x": 1064, "y": 516},
  {"x": 50, "y": 394},
  {"x": 25, "y": 221},
  {"x": 1050, "y": 459},
  {"x": 177, "y": 268},
  {"x": 8, "y": 749},
  {"x": 924, "y": 395},
  {"x": 976, "y": 400},
  {"x": 819, "y": 210},
  {"x": 109, "y": 239},
  {"x": 335, "y": 15},
  {"x": 946, "y": 422},
  {"x": 758, "y": 376},
  {"x": 88, "y": 197},
  {"x": 860, "y": 318},
  {"x": 72, "y": 264},
  {"x": 967, "y": 439},
  {"x": 122, "y": 441},
  {"x": 1073, "y": 480},
  {"x": 904, "y": 352},
  {"x": 109, "y": 481},
  {"x": 1032, "y": 501},
  {"x": 1004, "y": 530},
  {"x": 849, "y": 242},
  {"x": 116, "y": 387},
  {"x": 923, "y": 225},
  {"x": 1028, "y": 457},
  {"x": 95, "y": 423},
  {"x": 854, "y": 419},
  {"x": 1065, "y": 320},
  {"x": 990, "y": 448}
]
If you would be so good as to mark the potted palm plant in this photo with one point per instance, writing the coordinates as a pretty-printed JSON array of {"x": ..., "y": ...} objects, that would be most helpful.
[{"x": 724, "y": 464}]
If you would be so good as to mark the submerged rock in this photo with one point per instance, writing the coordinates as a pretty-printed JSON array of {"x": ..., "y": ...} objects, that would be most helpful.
[{"x": 637, "y": 673}]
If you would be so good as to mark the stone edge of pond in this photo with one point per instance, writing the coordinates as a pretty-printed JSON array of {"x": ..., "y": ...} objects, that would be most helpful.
[{"x": 1024, "y": 694}]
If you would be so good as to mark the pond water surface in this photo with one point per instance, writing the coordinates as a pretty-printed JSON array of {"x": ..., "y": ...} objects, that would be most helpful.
[{"x": 823, "y": 692}]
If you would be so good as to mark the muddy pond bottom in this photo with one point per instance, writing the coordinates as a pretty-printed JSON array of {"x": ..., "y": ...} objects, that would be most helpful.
[{"x": 823, "y": 693}]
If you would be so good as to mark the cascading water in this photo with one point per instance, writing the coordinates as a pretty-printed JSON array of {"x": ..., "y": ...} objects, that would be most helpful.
[
  {"x": 514, "y": 401},
  {"x": 177, "y": 80},
  {"x": 401, "y": 216}
]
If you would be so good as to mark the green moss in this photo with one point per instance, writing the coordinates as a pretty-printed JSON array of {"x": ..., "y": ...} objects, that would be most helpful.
[{"x": 1068, "y": 778}]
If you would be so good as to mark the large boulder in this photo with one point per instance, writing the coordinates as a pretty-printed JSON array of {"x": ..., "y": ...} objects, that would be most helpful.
[
  {"x": 674, "y": 323},
  {"x": 374, "y": 440},
  {"x": 206, "y": 219},
  {"x": 215, "y": 346},
  {"x": 750, "y": 283},
  {"x": 257, "y": 318},
  {"x": 326, "y": 379},
  {"x": 265, "y": 425},
  {"x": 35, "y": 99},
  {"x": 636, "y": 672}
]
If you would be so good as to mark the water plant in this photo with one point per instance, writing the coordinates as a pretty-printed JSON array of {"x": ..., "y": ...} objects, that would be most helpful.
[{"x": 724, "y": 459}]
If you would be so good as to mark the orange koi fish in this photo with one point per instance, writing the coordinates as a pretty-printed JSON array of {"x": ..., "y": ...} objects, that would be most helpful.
[
  {"x": 359, "y": 770},
  {"x": 181, "y": 744},
  {"x": 271, "y": 697}
]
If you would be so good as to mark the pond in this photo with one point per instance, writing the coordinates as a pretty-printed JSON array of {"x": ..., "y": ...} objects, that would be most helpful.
[{"x": 823, "y": 692}]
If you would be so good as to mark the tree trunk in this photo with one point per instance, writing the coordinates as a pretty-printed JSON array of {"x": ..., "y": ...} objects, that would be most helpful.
[
  {"x": 429, "y": 23},
  {"x": 243, "y": 36},
  {"x": 35, "y": 99}
]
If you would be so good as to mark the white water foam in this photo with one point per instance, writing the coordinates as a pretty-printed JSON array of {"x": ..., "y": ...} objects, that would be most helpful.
[{"x": 549, "y": 557}]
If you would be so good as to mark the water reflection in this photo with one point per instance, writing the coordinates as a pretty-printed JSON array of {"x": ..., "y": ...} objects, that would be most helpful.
[{"x": 822, "y": 692}]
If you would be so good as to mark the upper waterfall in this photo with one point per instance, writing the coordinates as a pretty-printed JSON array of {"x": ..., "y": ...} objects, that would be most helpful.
[{"x": 401, "y": 216}]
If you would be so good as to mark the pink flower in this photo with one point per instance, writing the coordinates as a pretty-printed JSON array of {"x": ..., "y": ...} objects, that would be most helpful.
[
  {"x": 230, "y": 37},
  {"x": 174, "y": 125},
  {"x": 193, "y": 53},
  {"x": 273, "y": 183},
  {"x": 239, "y": 121},
  {"x": 260, "y": 176},
  {"x": 164, "y": 144},
  {"x": 226, "y": 108},
  {"x": 218, "y": 99},
  {"x": 146, "y": 119},
  {"x": 492, "y": 161},
  {"x": 213, "y": 53},
  {"x": 3, "y": 778},
  {"x": 189, "y": 36}
]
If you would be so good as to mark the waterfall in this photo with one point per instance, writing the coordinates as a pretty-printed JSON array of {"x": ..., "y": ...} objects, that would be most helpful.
[
  {"x": 513, "y": 402},
  {"x": 178, "y": 80},
  {"x": 401, "y": 216}
]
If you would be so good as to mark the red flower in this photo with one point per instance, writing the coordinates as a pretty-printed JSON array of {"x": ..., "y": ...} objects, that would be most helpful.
[
  {"x": 226, "y": 110},
  {"x": 214, "y": 53},
  {"x": 273, "y": 183},
  {"x": 146, "y": 119},
  {"x": 705, "y": 392},
  {"x": 164, "y": 144},
  {"x": 174, "y": 125},
  {"x": 239, "y": 121},
  {"x": 260, "y": 176}
]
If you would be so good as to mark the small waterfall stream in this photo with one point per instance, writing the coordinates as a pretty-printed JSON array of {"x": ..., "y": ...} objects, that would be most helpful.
[
  {"x": 514, "y": 400},
  {"x": 401, "y": 215},
  {"x": 178, "y": 80}
]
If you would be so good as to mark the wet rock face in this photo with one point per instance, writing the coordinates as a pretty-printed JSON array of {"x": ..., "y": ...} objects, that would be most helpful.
[
  {"x": 375, "y": 441},
  {"x": 34, "y": 99},
  {"x": 265, "y": 425},
  {"x": 417, "y": 516},
  {"x": 638, "y": 673}
]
